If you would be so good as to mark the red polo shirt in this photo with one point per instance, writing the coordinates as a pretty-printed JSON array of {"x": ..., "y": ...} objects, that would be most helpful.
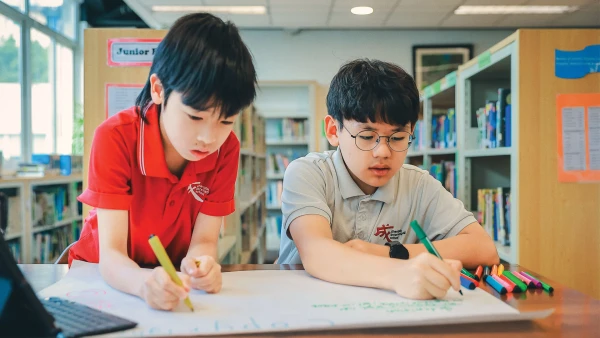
[{"x": 128, "y": 171}]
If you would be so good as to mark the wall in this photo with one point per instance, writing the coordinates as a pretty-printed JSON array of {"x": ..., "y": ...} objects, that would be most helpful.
[{"x": 317, "y": 54}]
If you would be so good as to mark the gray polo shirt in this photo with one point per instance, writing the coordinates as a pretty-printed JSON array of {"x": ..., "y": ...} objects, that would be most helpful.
[{"x": 319, "y": 184}]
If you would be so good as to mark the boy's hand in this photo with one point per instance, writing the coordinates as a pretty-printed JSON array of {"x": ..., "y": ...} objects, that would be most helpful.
[
  {"x": 160, "y": 292},
  {"x": 426, "y": 277},
  {"x": 370, "y": 248},
  {"x": 205, "y": 273}
]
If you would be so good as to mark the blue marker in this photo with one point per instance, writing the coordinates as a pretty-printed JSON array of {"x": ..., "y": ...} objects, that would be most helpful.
[
  {"x": 467, "y": 283},
  {"x": 495, "y": 285}
]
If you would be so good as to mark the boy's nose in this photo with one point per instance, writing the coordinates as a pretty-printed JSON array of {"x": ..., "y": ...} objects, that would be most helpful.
[{"x": 382, "y": 149}]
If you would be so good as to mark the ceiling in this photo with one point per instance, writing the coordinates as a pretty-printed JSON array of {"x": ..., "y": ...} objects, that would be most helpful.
[{"x": 335, "y": 14}]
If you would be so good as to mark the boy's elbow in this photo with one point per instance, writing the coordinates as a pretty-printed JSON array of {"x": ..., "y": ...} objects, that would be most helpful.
[
  {"x": 493, "y": 257},
  {"x": 491, "y": 253}
]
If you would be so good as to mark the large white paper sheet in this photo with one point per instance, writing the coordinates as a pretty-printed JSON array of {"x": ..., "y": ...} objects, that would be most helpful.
[{"x": 279, "y": 300}]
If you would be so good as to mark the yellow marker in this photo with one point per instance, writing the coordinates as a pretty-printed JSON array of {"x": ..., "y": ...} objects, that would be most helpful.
[
  {"x": 500, "y": 269},
  {"x": 166, "y": 263}
]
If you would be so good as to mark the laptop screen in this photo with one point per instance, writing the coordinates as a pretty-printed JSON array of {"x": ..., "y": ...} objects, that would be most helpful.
[{"x": 21, "y": 312}]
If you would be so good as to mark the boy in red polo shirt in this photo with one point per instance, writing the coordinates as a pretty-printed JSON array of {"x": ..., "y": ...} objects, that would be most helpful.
[{"x": 168, "y": 165}]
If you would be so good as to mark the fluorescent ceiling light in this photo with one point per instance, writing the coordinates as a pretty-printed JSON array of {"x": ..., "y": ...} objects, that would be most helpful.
[
  {"x": 252, "y": 10},
  {"x": 467, "y": 10},
  {"x": 362, "y": 10}
]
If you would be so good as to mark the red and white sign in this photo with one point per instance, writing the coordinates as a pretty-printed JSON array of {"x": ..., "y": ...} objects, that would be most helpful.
[{"x": 127, "y": 52}]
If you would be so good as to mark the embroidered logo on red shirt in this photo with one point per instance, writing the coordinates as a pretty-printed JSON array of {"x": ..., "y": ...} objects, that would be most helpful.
[{"x": 198, "y": 191}]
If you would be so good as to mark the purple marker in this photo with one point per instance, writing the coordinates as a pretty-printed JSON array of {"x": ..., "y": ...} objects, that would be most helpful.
[{"x": 535, "y": 281}]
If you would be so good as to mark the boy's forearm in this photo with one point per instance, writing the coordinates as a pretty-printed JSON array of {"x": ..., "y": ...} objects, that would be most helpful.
[
  {"x": 205, "y": 248},
  {"x": 123, "y": 274},
  {"x": 471, "y": 250},
  {"x": 334, "y": 262}
]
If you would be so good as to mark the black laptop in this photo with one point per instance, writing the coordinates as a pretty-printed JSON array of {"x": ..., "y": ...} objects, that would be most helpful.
[{"x": 23, "y": 314}]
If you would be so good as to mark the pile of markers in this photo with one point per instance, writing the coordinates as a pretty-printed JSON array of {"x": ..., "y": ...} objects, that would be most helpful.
[{"x": 503, "y": 281}]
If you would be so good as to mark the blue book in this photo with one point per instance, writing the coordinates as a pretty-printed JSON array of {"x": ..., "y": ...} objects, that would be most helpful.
[{"x": 507, "y": 124}]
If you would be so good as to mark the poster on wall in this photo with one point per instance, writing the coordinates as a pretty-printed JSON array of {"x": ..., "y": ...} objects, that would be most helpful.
[
  {"x": 575, "y": 64},
  {"x": 128, "y": 52},
  {"x": 578, "y": 127},
  {"x": 119, "y": 97}
]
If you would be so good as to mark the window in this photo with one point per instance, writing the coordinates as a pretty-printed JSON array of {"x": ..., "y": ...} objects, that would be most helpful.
[
  {"x": 64, "y": 99},
  {"x": 10, "y": 89},
  {"x": 42, "y": 93},
  {"x": 16, "y": 4},
  {"x": 58, "y": 15},
  {"x": 38, "y": 53}
]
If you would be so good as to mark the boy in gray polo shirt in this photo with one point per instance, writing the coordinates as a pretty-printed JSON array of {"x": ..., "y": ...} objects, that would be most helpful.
[{"x": 346, "y": 213}]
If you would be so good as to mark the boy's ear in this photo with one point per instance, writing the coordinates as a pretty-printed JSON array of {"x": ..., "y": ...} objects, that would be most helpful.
[
  {"x": 156, "y": 89},
  {"x": 331, "y": 131}
]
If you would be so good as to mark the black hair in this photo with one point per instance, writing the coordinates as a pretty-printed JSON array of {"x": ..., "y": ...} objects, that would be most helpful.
[
  {"x": 205, "y": 60},
  {"x": 371, "y": 90}
]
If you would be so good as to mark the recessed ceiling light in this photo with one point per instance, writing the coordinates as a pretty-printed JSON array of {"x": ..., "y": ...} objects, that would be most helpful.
[
  {"x": 251, "y": 10},
  {"x": 468, "y": 10},
  {"x": 361, "y": 10}
]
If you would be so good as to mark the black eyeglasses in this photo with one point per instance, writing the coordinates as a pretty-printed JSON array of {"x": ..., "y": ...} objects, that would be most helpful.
[{"x": 368, "y": 139}]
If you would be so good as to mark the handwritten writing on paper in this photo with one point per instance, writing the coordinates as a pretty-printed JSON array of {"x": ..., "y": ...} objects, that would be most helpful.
[{"x": 268, "y": 301}]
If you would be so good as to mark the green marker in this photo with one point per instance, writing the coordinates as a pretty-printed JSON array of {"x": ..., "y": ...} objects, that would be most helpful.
[
  {"x": 546, "y": 286},
  {"x": 515, "y": 280},
  {"x": 423, "y": 238}
]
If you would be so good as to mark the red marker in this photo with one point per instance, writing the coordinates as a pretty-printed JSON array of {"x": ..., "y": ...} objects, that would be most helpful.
[
  {"x": 478, "y": 272},
  {"x": 470, "y": 279},
  {"x": 515, "y": 287}
]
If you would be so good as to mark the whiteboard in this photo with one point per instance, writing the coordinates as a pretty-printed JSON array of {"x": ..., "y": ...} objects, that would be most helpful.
[{"x": 279, "y": 300}]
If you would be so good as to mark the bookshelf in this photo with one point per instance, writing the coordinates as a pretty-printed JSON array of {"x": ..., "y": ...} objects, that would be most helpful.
[
  {"x": 488, "y": 178},
  {"x": 243, "y": 238},
  {"x": 547, "y": 220},
  {"x": 44, "y": 216},
  {"x": 434, "y": 148},
  {"x": 291, "y": 125}
]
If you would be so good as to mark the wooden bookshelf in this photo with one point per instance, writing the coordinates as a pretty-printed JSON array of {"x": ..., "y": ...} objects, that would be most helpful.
[
  {"x": 437, "y": 100},
  {"x": 25, "y": 235},
  {"x": 245, "y": 223},
  {"x": 554, "y": 226},
  {"x": 292, "y": 129}
]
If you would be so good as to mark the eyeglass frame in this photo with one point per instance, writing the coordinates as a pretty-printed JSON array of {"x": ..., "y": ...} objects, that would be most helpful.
[{"x": 411, "y": 138}]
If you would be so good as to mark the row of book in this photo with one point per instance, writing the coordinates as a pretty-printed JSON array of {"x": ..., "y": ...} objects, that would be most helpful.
[
  {"x": 445, "y": 172},
  {"x": 493, "y": 213},
  {"x": 273, "y": 224},
  {"x": 278, "y": 162},
  {"x": 48, "y": 245},
  {"x": 419, "y": 134},
  {"x": 10, "y": 212},
  {"x": 494, "y": 121},
  {"x": 443, "y": 129},
  {"x": 50, "y": 204},
  {"x": 287, "y": 129},
  {"x": 274, "y": 190}
]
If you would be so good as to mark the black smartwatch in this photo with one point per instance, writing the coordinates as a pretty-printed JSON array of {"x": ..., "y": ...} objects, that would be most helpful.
[{"x": 397, "y": 250}]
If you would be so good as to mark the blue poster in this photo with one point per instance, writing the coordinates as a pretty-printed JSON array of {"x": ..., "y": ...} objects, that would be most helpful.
[{"x": 577, "y": 64}]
